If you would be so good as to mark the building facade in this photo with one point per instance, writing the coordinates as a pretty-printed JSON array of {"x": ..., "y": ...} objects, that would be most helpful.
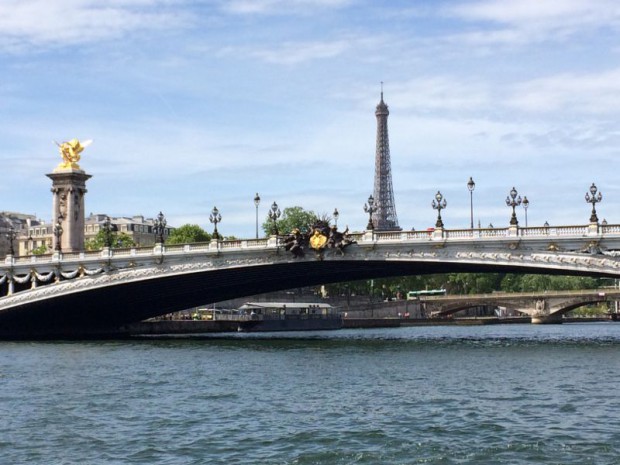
[{"x": 35, "y": 236}]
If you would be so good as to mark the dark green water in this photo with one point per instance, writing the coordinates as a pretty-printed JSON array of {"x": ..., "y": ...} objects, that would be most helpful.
[{"x": 515, "y": 394}]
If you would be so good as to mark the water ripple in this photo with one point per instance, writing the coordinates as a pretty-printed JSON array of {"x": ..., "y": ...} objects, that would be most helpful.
[{"x": 517, "y": 394}]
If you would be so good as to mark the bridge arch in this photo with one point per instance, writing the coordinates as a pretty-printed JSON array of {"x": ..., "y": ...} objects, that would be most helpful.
[{"x": 138, "y": 284}]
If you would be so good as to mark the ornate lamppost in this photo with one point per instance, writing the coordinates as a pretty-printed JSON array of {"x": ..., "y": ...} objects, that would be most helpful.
[
  {"x": 336, "y": 215},
  {"x": 274, "y": 214},
  {"x": 471, "y": 185},
  {"x": 370, "y": 209},
  {"x": 439, "y": 203},
  {"x": 593, "y": 198},
  {"x": 58, "y": 235},
  {"x": 159, "y": 227},
  {"x": 215, "y": 218},
  {"x": 513, "y": 201},
  {"x": 107, "y": 232},
  {"x": 11, "y": 235},
  {"x": 256, "y": 204},
  {"x": 525, "y": 203}
]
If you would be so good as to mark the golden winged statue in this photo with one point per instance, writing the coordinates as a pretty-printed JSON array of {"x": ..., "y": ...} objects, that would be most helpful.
[{"x": 70, "y": 152}]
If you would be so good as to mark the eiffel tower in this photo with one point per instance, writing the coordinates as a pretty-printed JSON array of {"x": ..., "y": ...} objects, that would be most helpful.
[{"x": 384, "y": 217}]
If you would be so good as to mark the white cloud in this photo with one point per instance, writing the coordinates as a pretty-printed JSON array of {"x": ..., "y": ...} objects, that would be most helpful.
[
  {"x": 590, "y": 93},
  {"x": 36, "y": 23},
  {"x": 528, "y": 21},
  {"x": 280, "y": 6},
  {"x": 555, "y": 12},
  {"x": 443, "y": 93},
  {"x": 300, "y": 52}
]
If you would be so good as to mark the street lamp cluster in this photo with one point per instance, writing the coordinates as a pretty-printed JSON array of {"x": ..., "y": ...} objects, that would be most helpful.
[
  {"x": 513, "y": 200},
  {"x": 215, "y": 217},
  {"x": 370, "y": 208},
  {"x": 593, "y": 198},
  {"x": 11, "y": 235},
  {"x": 159, "y": 228},
  {"x": 274, "y": 214},
  {"x": 439, "y": 203},
  {"x": 57, "y": 231}
]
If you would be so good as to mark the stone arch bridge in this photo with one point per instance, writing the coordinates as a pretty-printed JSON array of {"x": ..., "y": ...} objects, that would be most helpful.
[
  {"x": 96, "y": 293},
  {"x": 542, "y": 307}
]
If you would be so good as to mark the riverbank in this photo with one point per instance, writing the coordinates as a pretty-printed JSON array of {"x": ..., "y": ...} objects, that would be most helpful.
[{"x": 162, "y": 327}]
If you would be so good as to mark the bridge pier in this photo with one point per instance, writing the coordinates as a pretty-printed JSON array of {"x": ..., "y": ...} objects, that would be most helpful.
[{"x": 553, "y": 319}]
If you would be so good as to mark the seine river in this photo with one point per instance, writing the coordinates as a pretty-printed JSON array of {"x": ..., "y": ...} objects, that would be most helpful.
[{"x": 513, "y": 394}]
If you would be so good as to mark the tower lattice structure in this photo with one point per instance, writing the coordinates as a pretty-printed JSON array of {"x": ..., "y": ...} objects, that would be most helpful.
[{"x": 384, "y": 217}]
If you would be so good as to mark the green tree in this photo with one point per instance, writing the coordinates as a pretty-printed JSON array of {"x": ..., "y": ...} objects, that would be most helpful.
[
  {"x": 117, "y": 240},
  {"x": 535, "y": 283},
  {"x": 41, "y": 250},
  {"x": 187, "y": 234},
  {"x": 292, "y": 217},
  {"x": 473, "y": 283}
]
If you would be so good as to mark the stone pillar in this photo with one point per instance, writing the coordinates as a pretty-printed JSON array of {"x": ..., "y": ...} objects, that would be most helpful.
[
  {"x": 547, "y": 319},
  {"x": 68, "y": 189}
]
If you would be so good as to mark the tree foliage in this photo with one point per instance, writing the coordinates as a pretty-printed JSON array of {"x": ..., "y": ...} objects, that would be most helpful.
[
  {"x": 187, "y": 234},
  {"x": 465, "y": 283},
  {"x": 292, "y": 217},
  {"x": 41, "y": 250},
  {"x": 117, "y": 240}
]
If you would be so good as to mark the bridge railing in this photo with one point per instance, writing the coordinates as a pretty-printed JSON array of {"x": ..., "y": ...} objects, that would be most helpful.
[
  {"x": 610, "y": 229},
  {"x": 555, "y": 231},
  {"x": 577, "y": 231}
]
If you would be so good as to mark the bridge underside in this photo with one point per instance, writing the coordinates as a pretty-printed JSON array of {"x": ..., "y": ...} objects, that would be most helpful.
[{"x": 104, "y": 311}]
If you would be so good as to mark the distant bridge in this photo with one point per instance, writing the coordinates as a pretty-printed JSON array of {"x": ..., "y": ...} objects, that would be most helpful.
[
  {"x": 542, "y": 307},
  {"x": 100, "y": 292}
]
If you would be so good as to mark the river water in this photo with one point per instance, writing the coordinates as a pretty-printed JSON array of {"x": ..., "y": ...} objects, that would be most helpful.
[{"x": 513, "y": 394}]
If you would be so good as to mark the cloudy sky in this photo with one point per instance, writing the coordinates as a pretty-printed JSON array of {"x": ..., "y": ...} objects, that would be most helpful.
[{"x": 201, "y": 103}]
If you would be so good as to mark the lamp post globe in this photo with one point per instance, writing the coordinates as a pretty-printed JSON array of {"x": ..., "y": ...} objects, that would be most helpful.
[
  {"x": 215, "y": 217},
  {"x": 336, "y": 215},
  {"x": 525, "y": 203},
  {"x": 58, "y": 235},
  {"x": 159, "y": 228},
  {"x": 471, "y": 185},
  {"x": 370, "y": 208},
  {"x": 439, "y": 203},
  {"x": 593, "y": 198},
  {"x": 11, "y": 235},
  {"x": 513, "y": 200},
  {"x": 274, "y": 214},
  {"x": 256, "y": 204},
  {"x": 107, "y": 232}
]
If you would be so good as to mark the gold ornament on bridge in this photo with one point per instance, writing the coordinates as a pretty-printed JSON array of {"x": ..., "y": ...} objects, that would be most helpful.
[
  {"x": 317, "y": 240},
  {"x": 70, "y": 152}
]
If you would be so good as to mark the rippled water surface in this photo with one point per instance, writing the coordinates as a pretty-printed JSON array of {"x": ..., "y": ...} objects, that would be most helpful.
[{"x": 514, "y": 394}]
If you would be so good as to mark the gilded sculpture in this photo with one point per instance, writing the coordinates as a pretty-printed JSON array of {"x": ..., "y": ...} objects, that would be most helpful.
[
  {"x": 70, "y": 152},
  {"x": 319, "y": 236}
]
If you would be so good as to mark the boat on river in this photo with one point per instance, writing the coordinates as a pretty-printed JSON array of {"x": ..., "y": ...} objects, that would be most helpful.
[{"x": 288, "y": 316}]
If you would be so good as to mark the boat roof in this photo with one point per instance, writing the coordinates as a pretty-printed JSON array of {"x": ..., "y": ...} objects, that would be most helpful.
[{"x": 284, "y": 304}]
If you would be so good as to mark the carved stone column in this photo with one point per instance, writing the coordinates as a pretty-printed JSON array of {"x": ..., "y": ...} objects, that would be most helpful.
[{"x": 68, "y": 190}]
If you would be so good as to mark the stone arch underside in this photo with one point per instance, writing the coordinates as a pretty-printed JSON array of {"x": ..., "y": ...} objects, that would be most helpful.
[{"x": 107, "y": 308}]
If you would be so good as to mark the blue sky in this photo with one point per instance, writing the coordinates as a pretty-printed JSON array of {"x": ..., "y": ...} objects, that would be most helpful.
[{"x": 199, "y": 103}]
